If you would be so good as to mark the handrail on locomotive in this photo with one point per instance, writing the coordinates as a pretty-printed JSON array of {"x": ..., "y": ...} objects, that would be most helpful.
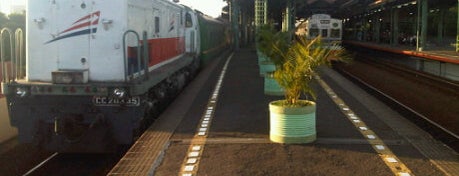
[
  {"x": 143, "y": 47},
  {"x": 16, "y": 47},
  {"x": 17, "y": 58}
]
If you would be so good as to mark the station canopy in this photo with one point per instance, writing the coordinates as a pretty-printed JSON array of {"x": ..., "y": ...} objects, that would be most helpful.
[{"x": 336, "y": 8}]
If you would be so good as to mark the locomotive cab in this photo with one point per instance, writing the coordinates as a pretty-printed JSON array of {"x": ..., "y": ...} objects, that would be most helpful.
[
  {"x": 323, "y": 25},
  {"x": 192, "y": 33}
]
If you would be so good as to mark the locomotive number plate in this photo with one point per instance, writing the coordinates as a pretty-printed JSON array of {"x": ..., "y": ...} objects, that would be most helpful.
[{"x": 112, "y": 101}]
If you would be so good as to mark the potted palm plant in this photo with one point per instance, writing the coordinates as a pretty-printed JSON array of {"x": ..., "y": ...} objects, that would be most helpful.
[
  {"x": 281, "y": 41},
  {"x": 269, "y": 44},
  {"x": 292, "y": 120},
  {"x": 263, "y": 37}
]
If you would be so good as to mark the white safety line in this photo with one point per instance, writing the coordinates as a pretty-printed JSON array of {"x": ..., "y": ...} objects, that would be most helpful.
[
  {"x": 389, "y": 158},
  {"x": 192, "y": 159}
]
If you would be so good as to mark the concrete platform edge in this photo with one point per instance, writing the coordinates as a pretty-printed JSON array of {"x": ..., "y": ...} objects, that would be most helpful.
[{"x": 443, "y": 157}]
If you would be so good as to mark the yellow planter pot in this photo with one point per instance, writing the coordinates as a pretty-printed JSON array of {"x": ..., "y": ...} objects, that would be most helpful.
[{"x": 292, "y": 124}]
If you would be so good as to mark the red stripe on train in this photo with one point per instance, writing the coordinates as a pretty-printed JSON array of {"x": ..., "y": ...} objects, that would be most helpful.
[
  {"x": 161, "y": 49},
  {"x": 165, "y": 48}
]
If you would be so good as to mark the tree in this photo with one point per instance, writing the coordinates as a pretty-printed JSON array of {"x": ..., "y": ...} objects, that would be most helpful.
[
  {"x": 3, "y": 20},
  {"x": 16, "y": 21},
  {"x": 13, "y": 22}
]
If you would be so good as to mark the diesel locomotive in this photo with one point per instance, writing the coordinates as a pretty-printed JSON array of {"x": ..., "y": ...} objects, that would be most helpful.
[{"x": 96, "y": 72}]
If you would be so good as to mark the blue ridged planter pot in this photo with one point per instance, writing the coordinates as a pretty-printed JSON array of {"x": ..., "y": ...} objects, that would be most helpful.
[
  {"x": 292, "y": 125},
  {"x": 261, "y": 57},
  {"x": 271, "y": 86},
  {"x": 266, "y": 66}
]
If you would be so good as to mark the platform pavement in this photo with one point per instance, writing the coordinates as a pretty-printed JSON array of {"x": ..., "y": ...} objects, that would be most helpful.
[
  {"x": 443, "y": 54},
  {"x": 237, "y": 142},
  {"x": 6, "y": 130}
]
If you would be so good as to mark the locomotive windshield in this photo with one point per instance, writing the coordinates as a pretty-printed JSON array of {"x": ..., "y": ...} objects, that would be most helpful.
[
  {"x": 314, "y": 32},
  {"x": 335, "y": 33},
  {"x": 188, "y": 21}
]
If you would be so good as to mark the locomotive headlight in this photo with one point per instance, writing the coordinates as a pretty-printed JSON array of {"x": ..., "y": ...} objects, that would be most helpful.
[
  {"x": 21, "y": 91},
  {"x": 120, "y": 93}
]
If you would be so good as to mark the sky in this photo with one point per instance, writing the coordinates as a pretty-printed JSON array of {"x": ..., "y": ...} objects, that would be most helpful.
[
  {"x": 209, "y": 7},
  {"x": 5, "y": 5}
]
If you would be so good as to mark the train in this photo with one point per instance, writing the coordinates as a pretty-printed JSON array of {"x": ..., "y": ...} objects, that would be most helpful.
[
  {"x": 98, "y": 72},
  {"x": 330, "y": 29}
]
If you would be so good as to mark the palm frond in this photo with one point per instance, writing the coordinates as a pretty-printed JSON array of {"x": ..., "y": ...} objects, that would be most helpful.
[{"x": 300, "y": 60}]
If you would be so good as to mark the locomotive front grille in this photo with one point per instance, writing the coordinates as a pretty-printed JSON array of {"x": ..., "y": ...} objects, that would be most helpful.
[{"x": 70, "y": 76}]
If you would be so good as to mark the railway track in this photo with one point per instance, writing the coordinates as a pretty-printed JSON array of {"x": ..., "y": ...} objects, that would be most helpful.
[
  {"x": 449, "y": 86},
  {"x": 29, "y": 160},
  {"x": 398, "y": 86},
  {"x": 75, "y": 164},
  {"x": 34, "y": 169}
]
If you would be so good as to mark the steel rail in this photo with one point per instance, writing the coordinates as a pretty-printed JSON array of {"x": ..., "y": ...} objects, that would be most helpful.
[
  {"x": 40, "y": 164},
  {"x": 456, "y": 136}
]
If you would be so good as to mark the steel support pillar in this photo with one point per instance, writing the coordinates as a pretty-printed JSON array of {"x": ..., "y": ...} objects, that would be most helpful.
[
  {"x": 394, "y": 26},
  {"x": 288, "y": 23},
  {"x": 244, "y": 28},
  {"x": 376, "y": 29},
  {"x": 261, "y": 12},
  {"x": 440, "y": 26},
  {"x": 421, "y": 34},
  {"x": 457, "y": 28},
  {"x": 234, "y": 19}
]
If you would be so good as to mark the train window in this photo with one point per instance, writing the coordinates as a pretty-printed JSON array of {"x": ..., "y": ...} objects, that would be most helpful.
[
  {"x": 156, "y": 24},
  {"x": 314, "y": 32},
  {"x": 324, "y": 21},
  {"x": 188, "y": 21},
  {"x": 324, "y": 32},
  {"x": 181, "y": 17},
  {"x": 335, "y": 33}
]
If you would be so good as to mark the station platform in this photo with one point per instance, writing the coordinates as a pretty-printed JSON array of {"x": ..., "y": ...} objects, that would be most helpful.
[
  {"x": 442, "y": 54},
  {"x": 219, "y": 125},
  {"x": 7, "y": 132}
]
